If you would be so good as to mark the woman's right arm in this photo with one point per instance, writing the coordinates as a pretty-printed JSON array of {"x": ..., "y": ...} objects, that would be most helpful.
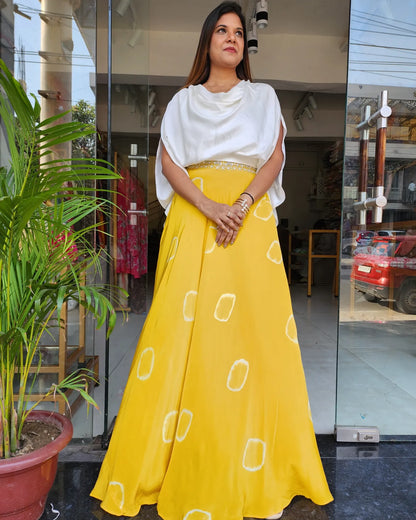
[{"x": 183, "y": 186}]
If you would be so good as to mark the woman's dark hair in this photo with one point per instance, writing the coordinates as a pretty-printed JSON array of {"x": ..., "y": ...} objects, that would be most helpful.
[{"x": 201, "y": 66}]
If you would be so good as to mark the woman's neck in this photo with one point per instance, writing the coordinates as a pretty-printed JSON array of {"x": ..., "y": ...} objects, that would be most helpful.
[{"x": 221, "y": 81}]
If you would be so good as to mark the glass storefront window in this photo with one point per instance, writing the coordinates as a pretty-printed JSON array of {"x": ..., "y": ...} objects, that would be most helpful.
[
  {"x": 377, "y": 352},
  {"x": 134, "y": 110},
  {"x": 50, "y": 48}
]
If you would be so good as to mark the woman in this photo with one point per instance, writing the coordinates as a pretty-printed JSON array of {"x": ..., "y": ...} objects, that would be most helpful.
[{"x": 215, "y": 421}]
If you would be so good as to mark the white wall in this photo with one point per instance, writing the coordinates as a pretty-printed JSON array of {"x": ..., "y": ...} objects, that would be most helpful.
[{"x": 286, "y": 58}]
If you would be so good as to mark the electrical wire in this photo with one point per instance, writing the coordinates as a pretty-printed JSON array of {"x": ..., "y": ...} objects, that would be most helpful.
[
  {"x": 27, "y": 9},
  {"x": 73, "y": 65},
  {"x": 35, "y": 53},
  {"x": 384, "y": 23},
  {"x": 383, "y": 74},
  {"x": 377, "y": 62},
  {"x": 361, "y": 53},
  {"x": 373, "y": 45},
  {"x": 382, "y": 17},
  {"x": 366, "y": 30}
]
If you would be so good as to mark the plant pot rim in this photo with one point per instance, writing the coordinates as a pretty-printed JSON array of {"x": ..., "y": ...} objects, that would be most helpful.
[{"x": 21, "y": 462}]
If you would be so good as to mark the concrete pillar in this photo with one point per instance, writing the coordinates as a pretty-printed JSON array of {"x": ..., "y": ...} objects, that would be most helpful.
[{"x": 56, "y": 63}]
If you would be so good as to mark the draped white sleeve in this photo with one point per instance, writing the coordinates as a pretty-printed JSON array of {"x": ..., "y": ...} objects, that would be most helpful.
[{"x": 241, "y": 125}]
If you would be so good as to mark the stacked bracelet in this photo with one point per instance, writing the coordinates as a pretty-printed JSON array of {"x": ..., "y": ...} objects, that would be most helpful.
[
  {"x": 243, "y": 203},
  {"x": 249, "y": 194}
]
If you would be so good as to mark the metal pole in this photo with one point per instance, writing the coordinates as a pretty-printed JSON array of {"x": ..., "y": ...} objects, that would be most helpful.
[
  {"x": 378, "y": 201},
  {"x": 108, "y": 273},
  {"x": 363, "y": 178},
  {"x": 380, "y": 157}
]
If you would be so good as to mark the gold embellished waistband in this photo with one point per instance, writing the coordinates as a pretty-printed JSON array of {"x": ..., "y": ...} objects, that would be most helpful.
[{"x": 223, "y": 165}]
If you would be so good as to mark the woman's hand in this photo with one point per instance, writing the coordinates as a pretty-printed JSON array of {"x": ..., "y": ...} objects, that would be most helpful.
[
  {"x": 222, "y": 215},
  {"x": 228, "y": 234}
]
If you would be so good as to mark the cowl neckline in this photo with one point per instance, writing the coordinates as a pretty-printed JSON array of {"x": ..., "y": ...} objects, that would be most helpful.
[{"x": 214, "y": 101}]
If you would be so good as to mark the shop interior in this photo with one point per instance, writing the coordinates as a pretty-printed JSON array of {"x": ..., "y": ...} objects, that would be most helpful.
[{"x": 313, "y": 105}]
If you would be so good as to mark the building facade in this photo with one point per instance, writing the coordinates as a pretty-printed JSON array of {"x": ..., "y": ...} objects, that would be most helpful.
[{"x": 344, "y": 73}]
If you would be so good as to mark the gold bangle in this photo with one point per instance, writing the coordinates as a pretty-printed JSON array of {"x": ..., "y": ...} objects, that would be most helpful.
[{"x": 244, "y": 205}]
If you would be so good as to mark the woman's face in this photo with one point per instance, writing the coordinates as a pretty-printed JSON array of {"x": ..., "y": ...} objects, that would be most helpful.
[{"x": 227, "y": 42}]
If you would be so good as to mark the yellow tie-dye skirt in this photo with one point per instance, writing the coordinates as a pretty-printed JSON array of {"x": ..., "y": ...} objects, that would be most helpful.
[{"x": 215, "y": 422}]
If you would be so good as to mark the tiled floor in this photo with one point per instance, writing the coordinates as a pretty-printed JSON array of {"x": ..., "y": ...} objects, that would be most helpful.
[{"x": 369, "y": 482}]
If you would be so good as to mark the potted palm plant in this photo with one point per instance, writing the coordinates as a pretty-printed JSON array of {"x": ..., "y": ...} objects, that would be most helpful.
[{"x": 44, "y": 256}]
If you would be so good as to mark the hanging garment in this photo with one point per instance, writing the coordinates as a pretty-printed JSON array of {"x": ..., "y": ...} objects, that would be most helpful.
[{"x": 131, "y": 227}]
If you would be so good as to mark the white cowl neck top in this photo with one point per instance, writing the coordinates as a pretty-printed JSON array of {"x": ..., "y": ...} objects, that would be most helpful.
[{"x": 241, "y": 126}]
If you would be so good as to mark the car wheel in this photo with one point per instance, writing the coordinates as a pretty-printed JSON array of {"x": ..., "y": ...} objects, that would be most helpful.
[
  {"x": 370, "y": 297},
  {"x": 406, "y": 301}
]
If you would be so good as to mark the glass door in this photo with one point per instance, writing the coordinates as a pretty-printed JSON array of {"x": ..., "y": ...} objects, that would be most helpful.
[
  {"x": 129, "y": 145},
  {"x": 376, "y": 384},
  {"x": 130, "y": 101},
  {"x": 124, "y": 98}
]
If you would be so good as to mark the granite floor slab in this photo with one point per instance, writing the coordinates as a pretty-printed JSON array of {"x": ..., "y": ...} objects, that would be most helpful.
[{"x": 369, "y": 482}]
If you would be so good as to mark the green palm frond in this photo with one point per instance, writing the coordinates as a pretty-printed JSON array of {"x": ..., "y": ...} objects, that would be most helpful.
[{"x": 43, "y": 255}]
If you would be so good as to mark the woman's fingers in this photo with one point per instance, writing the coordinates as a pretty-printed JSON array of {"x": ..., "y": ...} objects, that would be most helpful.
[
  {"x": 236, "y": 218},
  {"x": 233, "y": 219},
  {"x": 232, "y": 238},
  {"x": 225, "y": 217},
  {"x": 229, "y": 221},
  {"x": 224, "y": 238}
]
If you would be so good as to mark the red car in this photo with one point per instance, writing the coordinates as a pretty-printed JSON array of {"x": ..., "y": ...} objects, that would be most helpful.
[{"x": 387, "y": 271}]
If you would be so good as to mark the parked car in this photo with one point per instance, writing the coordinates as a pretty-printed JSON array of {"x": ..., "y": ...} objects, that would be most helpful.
[
  {"x": 355, "y": 242},
  {"x": 387, "y": 271},
  {"x": 390, "y": 232},
  {"x": 349, "y": 241},
  {"x": 365, "y": 238}
]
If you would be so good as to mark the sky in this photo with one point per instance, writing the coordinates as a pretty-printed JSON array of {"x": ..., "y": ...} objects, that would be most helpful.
[
  {"x": 382, "y": 43},
  {"x": 27, "y": 33}
]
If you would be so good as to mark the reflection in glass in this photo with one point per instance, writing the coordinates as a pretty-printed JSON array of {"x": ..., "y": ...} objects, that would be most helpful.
[
  {"x": 50, "y": 48},
  {"x": 135, "y": 112},
  {"x": 377, "y": 351}
]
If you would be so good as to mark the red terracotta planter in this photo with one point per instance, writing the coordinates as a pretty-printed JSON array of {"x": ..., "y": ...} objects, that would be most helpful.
[{"x": 25, "y": 481}]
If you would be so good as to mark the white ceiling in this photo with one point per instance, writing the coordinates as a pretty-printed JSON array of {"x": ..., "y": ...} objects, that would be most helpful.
[{"x": 324, "y": 17}]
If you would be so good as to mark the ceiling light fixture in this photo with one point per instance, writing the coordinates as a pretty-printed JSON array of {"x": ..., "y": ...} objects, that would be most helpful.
[
  {"x": 122, "y": 7},
  {"x": 308, "y": 112},
  {"x": 155, "y": 120},
  {"x": 262, "y": 14},
  {"x": 252, "y": 41},
  {"x": 312, "y": 101},
  {"x": 299, "y": 125},
  {"x": 135, "y": 37},
  {"x": 305, "y": 106},
  {"x": 152, "y": 97}
]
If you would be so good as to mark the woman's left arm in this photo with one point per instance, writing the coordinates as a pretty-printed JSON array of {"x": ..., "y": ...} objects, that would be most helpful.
[
  {"x": 261, "y": 183},
  {"x": 267, "y": 173}
]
